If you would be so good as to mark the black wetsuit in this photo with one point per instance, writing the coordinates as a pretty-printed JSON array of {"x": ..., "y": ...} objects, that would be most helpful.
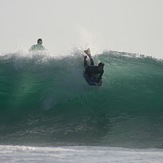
[{"x": 92, "y": 71}]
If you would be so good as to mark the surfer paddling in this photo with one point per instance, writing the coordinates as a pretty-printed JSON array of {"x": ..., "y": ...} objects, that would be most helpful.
[{"x": 38, "y": 46}]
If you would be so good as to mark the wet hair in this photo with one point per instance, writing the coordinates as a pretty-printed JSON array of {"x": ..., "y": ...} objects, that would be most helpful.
[
  {"x": 101, "y": 64},
  {"x": 39, "y": 40}
]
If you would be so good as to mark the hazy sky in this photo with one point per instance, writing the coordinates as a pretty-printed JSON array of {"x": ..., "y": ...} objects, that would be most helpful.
[{"x": 121, "y": 25}]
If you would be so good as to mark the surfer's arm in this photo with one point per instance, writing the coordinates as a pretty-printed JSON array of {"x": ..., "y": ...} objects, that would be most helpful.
[
  {"x": 91, "y": 60},
  {"x": 32, "y": 48},
  {"x": 100, "y": 76}
]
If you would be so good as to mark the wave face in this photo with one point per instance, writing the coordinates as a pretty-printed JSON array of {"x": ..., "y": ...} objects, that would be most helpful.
[{"x": 46, "y": 101}]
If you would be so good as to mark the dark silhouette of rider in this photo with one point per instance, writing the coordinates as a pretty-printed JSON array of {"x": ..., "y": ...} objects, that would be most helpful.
[{"x": 94, "y": 72}]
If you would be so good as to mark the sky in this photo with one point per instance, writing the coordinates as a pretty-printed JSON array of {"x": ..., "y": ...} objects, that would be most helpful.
[{"x": 134, "y": 26}]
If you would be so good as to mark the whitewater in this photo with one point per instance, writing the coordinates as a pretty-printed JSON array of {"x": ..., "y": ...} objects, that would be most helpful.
[{"x": 48, "y": 113}]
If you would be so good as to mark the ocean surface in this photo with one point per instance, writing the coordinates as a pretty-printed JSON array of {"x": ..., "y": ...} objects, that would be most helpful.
[{"x": 46, "y": 105}]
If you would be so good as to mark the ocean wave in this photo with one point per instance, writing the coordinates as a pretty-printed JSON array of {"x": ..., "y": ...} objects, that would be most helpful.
[{"x": 45, "y": 99}]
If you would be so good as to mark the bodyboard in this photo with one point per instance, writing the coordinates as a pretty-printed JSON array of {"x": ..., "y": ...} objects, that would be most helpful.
[{"x": 90, "y": 81}]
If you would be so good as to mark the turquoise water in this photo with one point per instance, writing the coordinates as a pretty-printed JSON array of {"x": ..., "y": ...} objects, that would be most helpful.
[{"x": 45, "y": 101}]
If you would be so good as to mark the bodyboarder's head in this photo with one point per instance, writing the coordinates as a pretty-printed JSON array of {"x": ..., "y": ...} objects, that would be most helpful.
[{"x": 101, "y": 66}]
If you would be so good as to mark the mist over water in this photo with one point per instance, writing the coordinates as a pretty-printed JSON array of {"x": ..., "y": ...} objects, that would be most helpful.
[{"x": 45, "y": 100}]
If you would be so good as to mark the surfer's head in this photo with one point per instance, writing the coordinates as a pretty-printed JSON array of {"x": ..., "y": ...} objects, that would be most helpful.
[
  {"x": 100, "y": 66},
  {"x": 39, "y": 41}
]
